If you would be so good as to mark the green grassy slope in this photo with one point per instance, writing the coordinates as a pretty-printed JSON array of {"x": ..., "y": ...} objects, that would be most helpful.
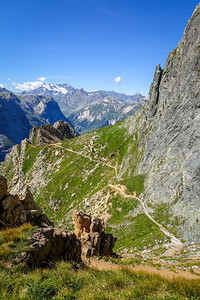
[
  {"x": 62, "y": 180},
  {"x": 64, "y": 280}
]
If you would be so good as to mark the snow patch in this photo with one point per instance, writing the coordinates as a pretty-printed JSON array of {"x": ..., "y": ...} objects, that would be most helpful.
[{"x": 55, "y": 88}]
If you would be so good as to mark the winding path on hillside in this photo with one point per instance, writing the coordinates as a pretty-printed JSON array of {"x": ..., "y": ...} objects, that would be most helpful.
[
  {"x": 120, "y": 189},
  {"x": 176, "y": 244},
  {"x": 87, "y": 156}
]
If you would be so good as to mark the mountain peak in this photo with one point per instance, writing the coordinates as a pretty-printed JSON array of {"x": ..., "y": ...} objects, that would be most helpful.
[{"x": 48, "y": 134}]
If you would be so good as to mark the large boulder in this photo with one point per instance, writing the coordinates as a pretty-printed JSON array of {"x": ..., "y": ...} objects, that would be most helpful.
[
  {"x": 51, "y": 134},
  {"x": 49, "y": 244},
  {"x": 26, "y": 199},
  {"x": 16, "y": 210},
  {"x": 12, "y": 211},
  {"x": 52, "y": 244},
  {"x": 94, "y": 240}
]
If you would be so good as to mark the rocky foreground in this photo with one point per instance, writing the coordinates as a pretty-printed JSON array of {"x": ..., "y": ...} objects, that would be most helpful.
[{"x": 49, "y": 243}]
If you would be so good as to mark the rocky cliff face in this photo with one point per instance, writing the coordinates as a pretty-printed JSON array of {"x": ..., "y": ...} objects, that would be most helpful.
[
  {"x": 170, "y": 136},
  {"x": 48, "y": 134},
  {"x": 41, "y": 110},
  {"x": 14, "y": 125}
]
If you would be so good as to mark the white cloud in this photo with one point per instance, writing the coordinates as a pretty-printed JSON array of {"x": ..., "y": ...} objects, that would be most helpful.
[
  {"x": 28, "y": 86},
  {"x": 2, "y": 85},
  {"x": 42, "y": 78},
  {"x": 117, "y": 79}
]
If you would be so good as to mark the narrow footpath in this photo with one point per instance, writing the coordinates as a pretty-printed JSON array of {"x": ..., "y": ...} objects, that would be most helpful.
[
  {"x": 87, "y": 156},
  {"x": 101, "y": 265},
  {"x": 175, "y": 244},
  {"x": 120, "y": 189}
]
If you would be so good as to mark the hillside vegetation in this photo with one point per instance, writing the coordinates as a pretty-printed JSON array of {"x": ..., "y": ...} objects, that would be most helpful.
[
  {"x": 66, "y": 280},
  {"x": 79, "y": 174}
]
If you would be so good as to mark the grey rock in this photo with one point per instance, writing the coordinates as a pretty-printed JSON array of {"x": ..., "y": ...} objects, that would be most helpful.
[
  {"x": 154, "y": 92},
  {"x": 14, "y": 125},
  {"x": 48, "y": 134},
  {"x": 170, "y": 134},
  {"x": 52, "y": 244}
]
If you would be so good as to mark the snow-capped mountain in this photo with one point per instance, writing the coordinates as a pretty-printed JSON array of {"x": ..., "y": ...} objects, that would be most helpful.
[
  {"x": 51, "y": 90},
  {"x": 84, "y": 109}
]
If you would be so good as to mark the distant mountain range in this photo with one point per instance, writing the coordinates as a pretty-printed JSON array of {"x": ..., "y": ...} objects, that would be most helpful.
[
  {"x": 103, "y": 113},
  {"x": 18, "y": 114},
  {"x": 86, "y": 111},
  {"x": 90, "y": 110}
]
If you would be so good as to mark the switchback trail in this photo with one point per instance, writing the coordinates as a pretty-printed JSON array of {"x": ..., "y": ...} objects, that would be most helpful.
[
  {"x": 120, "y": 189},
  {"x": 175, "y": 244}
]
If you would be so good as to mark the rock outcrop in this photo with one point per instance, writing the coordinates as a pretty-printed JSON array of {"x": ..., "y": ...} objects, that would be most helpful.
[
  {"x": 48, "y": 134},
  {"x": 16, "y": 210},
  {"x": 94, "y": 241},
  {"x": 154, "y": 92},
  {"x": 50, "y": 245}
]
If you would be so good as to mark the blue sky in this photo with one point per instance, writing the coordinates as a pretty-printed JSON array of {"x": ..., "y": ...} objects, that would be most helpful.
[{"x": 90, "y": 44}]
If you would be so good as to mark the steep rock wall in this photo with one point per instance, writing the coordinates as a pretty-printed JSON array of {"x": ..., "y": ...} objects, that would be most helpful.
[{"x": 171, "y": 144}]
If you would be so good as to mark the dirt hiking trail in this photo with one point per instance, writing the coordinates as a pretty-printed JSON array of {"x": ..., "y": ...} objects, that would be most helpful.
[
  {"x": 175, "y": 245},
  {"x": 101, "y": 265}
]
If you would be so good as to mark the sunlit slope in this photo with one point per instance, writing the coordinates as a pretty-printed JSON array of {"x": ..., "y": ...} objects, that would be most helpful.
[{"x": 79, "y": 174}]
